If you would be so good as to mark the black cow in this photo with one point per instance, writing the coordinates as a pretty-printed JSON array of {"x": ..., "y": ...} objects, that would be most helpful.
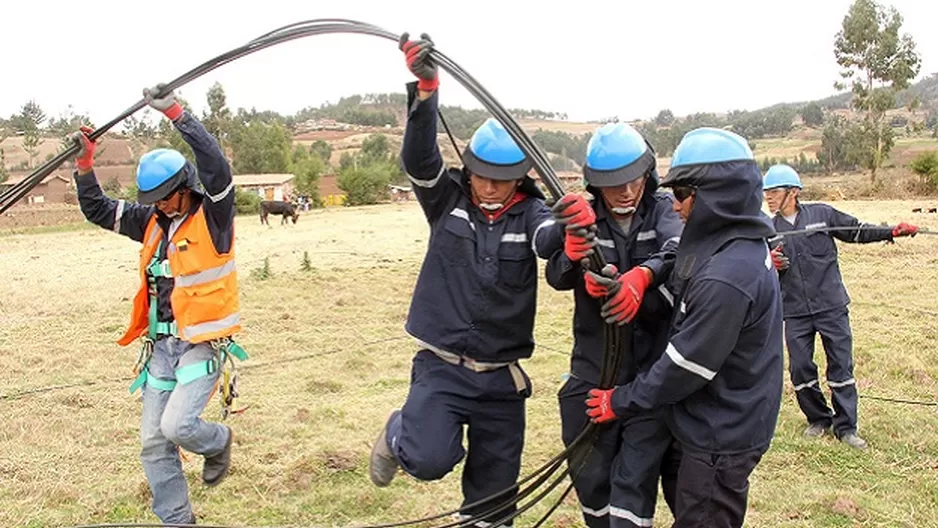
[{"x": 284, "y": 209}]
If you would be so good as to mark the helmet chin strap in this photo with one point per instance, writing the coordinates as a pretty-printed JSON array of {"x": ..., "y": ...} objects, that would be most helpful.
[
  {"x": 491, "y": 206},
  {"x": 781, "y": 206},
  {"x": 623, "y": 211}
]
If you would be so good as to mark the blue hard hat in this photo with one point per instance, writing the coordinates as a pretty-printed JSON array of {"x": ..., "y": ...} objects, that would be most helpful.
[
  {"x": 781, "y": 175},
  {"x": 704, "y": 146},
  {"x": 617, "y": 154},
  {"x": 492, "y": 153},
  {"x": 159, "y": 173}
]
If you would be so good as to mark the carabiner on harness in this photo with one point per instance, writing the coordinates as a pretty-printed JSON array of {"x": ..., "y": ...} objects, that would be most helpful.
[{"x": 225, "y": 352}]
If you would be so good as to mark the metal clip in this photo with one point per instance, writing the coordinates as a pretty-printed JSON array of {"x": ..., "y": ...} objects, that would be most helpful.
[{"x": 146, "y": 352}]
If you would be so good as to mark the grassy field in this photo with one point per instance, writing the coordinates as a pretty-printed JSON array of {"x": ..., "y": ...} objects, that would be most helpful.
[{"x": 70, "y": 456}]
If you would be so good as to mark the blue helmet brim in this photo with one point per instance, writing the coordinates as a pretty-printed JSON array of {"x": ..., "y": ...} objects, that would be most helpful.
[
  {"x": 161, "y": 191},
  {"x": 642, "y": 165},
  {"x": 493, "y": 171}
]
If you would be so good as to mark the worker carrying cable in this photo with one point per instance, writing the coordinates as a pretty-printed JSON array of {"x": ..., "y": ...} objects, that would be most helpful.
[
  {"x": 473, "y": 306},
  {"x": 815, "y": 301},
  {"x": 637, "y": 231},
  {"x": 719, "y": 382},
  {"x": 186, "y": 308}
]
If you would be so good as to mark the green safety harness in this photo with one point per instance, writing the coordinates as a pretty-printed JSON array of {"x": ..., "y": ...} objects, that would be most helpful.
[{"x": 225, "y": 348}]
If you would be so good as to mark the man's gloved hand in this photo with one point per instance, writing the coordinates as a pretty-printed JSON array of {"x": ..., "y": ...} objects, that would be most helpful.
[
  {"x": 578, "y": 244},
  {"x": 904, "y": 229},
  {"x": 597, "y": 287},
  {"x": 85, "y": 159},
  {"x": 574, "y": 211},
  {"x": 779, "y": 259},
  {"x": 599, "y": 406},
  {"x": 627, "y": 292},
  {"x": 417, "y": 53},
  {"x": 166, "y": 104}
]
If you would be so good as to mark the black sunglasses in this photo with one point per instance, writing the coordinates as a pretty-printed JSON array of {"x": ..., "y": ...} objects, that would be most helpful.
[{"x": 683, "y": 193}]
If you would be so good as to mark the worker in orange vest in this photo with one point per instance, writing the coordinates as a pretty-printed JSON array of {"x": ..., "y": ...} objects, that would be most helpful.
[{"x": 186, "y": 308}]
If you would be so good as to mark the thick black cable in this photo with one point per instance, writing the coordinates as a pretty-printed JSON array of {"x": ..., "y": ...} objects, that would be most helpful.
[
  {"x": 811, "y": 231},
  {"x": 900, "y": 400},
  {"x": 303, "y": 29}
]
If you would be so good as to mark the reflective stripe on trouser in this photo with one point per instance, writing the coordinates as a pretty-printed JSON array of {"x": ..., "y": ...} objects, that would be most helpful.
[
  {"x": 837, "y": 340},
  {"x": 426, "y": 436},
  {"x": 171, "y": 418},
  {"x": 644, "y": 441},
  {"x": 593, "y": 477}
]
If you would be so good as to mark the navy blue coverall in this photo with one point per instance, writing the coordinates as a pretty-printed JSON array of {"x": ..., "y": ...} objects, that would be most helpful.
[
  {"x": 618, "y": 484},
  {"x": 720, "y": 378},
  {"x": 474, "y": 302},
  {"x": 815, "y": 302}
]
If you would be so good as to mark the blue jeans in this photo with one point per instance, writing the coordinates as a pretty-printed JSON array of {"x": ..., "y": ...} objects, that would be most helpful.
[{"x": 171, "y": 418}]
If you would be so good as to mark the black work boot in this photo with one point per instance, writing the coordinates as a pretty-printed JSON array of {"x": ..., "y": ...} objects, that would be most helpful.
[
  {"x": 216, "y": 466},
  {"x": 382, "y": 466}
]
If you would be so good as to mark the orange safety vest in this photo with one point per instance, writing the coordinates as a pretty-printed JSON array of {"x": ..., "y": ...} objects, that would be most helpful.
[{"x": 205, "y": 292}]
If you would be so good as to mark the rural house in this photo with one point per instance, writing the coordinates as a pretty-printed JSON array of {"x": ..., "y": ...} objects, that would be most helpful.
[
  {"x": 267, "y": 186},
  {"x": 53, "y": 189}
]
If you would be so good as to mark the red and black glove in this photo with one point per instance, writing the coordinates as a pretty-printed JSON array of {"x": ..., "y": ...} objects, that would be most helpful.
[
  {"x": 574, "y": 211},
  {"x": 85, "y": 159},
  {"x": 578, "y": 244},
  {"x": 417, "y": 53},
  {"x": 779, "y": 259},
  {"x": 596, "y": 289},
  {"x": 599, "y": 406},
  {"x": 627, "y": 292},
  {"x": 166, "y": 104},
  {"x": 904, "y": 229}
]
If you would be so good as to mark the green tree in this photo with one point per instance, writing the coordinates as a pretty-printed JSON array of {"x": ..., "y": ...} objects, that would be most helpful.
[
  {"x": 834, "y": 152},
  {"x": 171, "y": 138},
  {"x": 322, "y": 149},
  {"x": 29, "y": 122},
  {"x": 374, "y": 149},
  {"x": 664, "y": 118},
  {"x": 812, "y": 114},
  {"x": 218, "y": 118},
  {"x": 877, "y": 62},
  {"x": 307, "y": 170},
  {"x": 246, "y": 202},
  {"x": 925, "y": 165},
  {"x": 365, "y": 184},
  {"x": 261, "y": 148},
  {"x": 3, "y": 167}
]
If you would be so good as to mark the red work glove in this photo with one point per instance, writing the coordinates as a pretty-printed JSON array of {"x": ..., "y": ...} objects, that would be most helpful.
[
  {"x": 904, "y": 229},
  {"x": 627, "y": 293},
  {"x": 599, "y": 406},
  {"x": 85, "y": 159},
  {"x": 574, "y": 211},
  {"x": 779, "y": 259},
  {"x": 597, "y": 289},
  {"x": 417, "y": 53},
  {"x": 166, "y": 104},
  {"x": 578, "y": 244}
]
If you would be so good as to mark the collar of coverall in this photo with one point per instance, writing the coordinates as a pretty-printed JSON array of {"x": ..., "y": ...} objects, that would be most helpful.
[{"x": 495, "y": 215}]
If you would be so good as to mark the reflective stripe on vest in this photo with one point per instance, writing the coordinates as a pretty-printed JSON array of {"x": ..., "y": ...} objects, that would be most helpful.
[
  {"x": 192, "y": 333},
  {"x": 209, "y": 275}
]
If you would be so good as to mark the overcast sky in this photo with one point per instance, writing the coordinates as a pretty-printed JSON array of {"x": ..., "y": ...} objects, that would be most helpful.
[{"x": 590, "y": 59}]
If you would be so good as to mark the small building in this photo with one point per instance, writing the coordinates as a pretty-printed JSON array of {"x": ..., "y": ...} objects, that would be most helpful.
[
  {"x": 55, "y": 188},
  {"x": 268, "y": 186}
]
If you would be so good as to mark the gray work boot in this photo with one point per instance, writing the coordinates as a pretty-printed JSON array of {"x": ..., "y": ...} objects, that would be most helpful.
[
  {"x": 216, "y": 466},
  {"x": 854, "y": 441},
  {"x": 382, "y": 466},
  {"x": 816, "y": 430}
]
